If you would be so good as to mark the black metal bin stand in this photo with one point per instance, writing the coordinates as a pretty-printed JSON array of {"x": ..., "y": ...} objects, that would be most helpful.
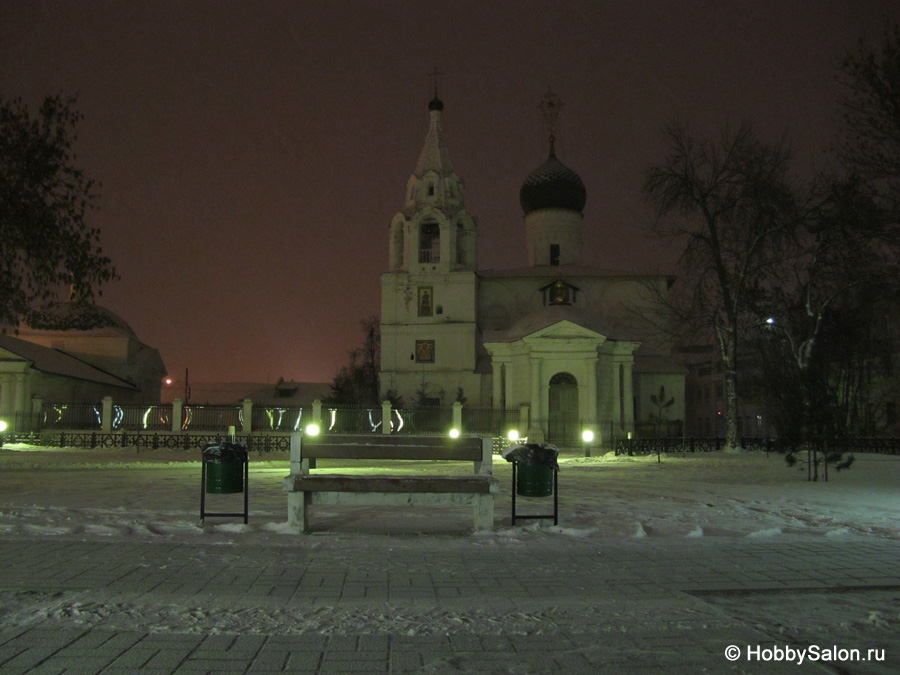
[
  {"x": 516, "y": 487},
  {"x": 229, "y": 473}
]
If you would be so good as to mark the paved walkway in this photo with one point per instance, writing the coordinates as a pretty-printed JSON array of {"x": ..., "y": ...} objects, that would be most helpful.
[{"x": 441, "y": 604}]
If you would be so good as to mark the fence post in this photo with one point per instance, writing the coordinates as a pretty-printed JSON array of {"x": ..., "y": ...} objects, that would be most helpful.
[
  {"x": 176, "y": 415},
  {"x": 248, "y": 416},
  {"x": 317, "y": 413},
  {"x": 457, "y": 416},
  {"x": 386, "y": 413},
  {"x": 106, "y": 415},
  {"x": 524, "y": 419}
]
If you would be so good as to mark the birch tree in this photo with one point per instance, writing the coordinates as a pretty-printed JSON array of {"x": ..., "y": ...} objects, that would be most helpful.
[{"x": 729, "y": 203}]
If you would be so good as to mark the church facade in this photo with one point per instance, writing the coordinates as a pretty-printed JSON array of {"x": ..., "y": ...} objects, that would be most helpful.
[{"x": 560, "y": 342}]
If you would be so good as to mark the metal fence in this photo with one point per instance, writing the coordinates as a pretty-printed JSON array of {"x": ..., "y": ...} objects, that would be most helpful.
[
  {"x": 653, "y": 446},
  {"x": 275, "y": 418},
  {"x": 211, "y": 417},
  {"x": 422, "y": 420},
  {"x": 142, "y": 417},
  {"x": 347, "y": 420},
  {"x": 71, "y": 416},
  {"x": 488, "y": 421}
]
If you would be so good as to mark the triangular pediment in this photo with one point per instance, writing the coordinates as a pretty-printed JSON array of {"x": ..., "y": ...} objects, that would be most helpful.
[
  {"x": 564, "y": 330},
  {"x": 6, "y": 355}
]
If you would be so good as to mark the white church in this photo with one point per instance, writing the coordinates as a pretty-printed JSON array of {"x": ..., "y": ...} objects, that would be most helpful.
[{"x": 557, "y": 341}]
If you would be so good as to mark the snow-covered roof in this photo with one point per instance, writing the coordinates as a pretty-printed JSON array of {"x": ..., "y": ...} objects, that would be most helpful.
[{"x": 55, "y": 362}]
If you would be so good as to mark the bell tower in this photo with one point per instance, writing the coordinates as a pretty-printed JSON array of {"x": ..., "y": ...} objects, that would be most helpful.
[{"x": 428, "y": 296}]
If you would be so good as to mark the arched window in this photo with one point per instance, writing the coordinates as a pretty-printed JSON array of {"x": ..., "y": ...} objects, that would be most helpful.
[{"x": 564, "y": 379}]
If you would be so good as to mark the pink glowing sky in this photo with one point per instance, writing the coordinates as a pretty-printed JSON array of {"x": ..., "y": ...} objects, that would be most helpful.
[{"x": 252, "y": 154}]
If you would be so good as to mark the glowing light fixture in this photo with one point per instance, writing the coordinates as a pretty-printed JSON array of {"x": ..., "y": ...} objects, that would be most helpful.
[
  {"x": 312, "y": 429},
  {"x": 454, "y": 433},
  {"x": 587, "y": 435},
  {"x": 2, "y": 426},
  {"x": 513, "y": 435}
]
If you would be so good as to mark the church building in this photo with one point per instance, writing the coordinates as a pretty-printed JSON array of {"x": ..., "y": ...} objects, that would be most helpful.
[{"x": 560, "y": 342}]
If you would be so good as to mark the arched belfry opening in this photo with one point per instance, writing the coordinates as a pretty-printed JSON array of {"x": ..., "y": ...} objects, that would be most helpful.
[
  {"x": 562, "y": 409},
  {"x": 429, "y": 242}
]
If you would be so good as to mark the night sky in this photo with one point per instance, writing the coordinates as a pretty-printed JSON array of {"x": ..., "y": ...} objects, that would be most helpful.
[{"x": 252, "y": 154}]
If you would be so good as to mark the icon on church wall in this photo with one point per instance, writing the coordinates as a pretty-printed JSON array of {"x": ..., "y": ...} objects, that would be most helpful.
[
  {"x": 425, "y": 301},
  {"x": 424, "y": 351}
]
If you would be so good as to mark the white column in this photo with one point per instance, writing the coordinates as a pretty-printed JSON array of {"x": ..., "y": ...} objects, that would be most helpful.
[
  {"x": 590, "y": 415},
  {"x": 457, "y": 416},
  {"x": 5, "y": 393},
  {"x": 497, "y": 383},
  {"x": 628, "y": 396},
  {"x": 616, "y": 393},
  {"x": 19, "y": 397},
  {"x": 536, "y": 431}
]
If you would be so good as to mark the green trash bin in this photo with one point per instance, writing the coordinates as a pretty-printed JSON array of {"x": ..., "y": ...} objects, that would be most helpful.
[
  {"x": 224, "y": 463},
  {"x": 534, "y": 480}
]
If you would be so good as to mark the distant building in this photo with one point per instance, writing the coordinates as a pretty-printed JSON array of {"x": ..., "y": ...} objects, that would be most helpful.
[
  {"x": 282, "y": 393},
  {"x": 561, "y": 342},
  {"x": 76, "y": 353}
]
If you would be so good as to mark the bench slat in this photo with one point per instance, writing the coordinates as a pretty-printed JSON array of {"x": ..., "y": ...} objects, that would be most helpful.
[
  {"x": 409, "y": 452},
  {"x": 394, "y": 440},
  {"x": 395, "y": 484}
]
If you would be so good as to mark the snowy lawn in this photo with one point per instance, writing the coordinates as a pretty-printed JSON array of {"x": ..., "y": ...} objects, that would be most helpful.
[{"x": 120, "y": 492}]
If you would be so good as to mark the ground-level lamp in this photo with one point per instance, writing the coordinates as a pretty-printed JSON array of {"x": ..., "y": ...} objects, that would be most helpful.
[
  {"x": 312, "y": 430},
  {"x": 587, "y": 436}
]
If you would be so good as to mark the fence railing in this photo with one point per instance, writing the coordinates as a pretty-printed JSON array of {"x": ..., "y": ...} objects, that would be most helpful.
[
  {"x": 488, "y": 421},
  {"x": 652, "y": 446}
]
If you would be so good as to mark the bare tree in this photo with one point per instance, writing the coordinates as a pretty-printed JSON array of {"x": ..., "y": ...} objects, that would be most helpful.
[
  {"x": 731, "y": 205},
  {"x": 870, "y": 134},
  {"x": 816, "y": 343}
]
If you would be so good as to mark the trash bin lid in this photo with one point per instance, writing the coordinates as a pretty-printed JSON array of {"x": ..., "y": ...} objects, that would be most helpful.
[{"x": 224, "y": 452}]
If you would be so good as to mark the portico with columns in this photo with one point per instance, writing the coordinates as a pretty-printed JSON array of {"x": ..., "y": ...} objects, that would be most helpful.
[{"x": 556, "y": 340}]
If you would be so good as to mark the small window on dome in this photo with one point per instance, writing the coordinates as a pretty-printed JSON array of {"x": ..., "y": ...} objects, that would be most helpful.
[
  {"x": 430, "y": 190},
  {"x": 554, "y": 255}
]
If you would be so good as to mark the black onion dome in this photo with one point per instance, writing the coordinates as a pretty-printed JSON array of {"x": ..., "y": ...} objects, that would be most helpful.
[
  {"x": 552, "y": 185},
  {"x": 435, "y": 104}
]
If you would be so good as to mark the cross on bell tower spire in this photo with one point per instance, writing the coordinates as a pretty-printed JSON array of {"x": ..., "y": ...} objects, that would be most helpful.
[
  {"x": 435, "y": 76},
  {"x": 550, "y": 105}
]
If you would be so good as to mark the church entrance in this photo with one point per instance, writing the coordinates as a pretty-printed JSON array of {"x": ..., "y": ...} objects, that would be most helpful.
[{"x": 562, "y": 425}]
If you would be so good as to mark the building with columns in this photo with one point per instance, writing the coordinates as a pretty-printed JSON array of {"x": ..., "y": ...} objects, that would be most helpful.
[
  {"x": 75, "y": 353},
  {"x": 561, "y": 342}
]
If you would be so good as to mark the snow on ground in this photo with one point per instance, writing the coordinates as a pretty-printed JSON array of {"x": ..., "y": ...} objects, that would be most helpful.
[{"x": 125, "y": 493}]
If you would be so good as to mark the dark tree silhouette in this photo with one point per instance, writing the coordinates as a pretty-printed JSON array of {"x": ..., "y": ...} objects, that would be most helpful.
[
  {"x": 730, "y": 204},
  {"x": 45, "y": 243}
]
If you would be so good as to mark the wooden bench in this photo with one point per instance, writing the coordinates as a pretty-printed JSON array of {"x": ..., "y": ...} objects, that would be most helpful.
[{"x": 305, "y": 489}]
